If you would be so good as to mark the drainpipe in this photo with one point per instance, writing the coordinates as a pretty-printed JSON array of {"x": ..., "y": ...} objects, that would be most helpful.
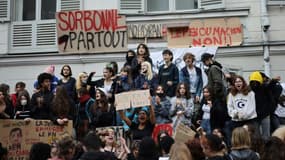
[{"x": 265, "y": 25}]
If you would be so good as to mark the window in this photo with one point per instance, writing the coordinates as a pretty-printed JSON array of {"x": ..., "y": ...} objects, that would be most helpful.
[
  {"x": 29, "y": 10},
  {"x": 171, "y": 5},
  {"x": 276, "y": 2}
]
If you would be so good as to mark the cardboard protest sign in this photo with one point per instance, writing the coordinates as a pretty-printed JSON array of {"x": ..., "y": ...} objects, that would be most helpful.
[
  {"x": 149, "y": 30},
  {"x": 18, "y": 136},
  {"x": 183, "y": 133},
  {"x": 207, "y": 32},
  {"x": 133, "y": 99},
  {"x": 91, "y": 31}
]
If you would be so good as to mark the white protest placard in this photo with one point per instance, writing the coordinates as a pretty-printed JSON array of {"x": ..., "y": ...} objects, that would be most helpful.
[{"x": 138, "y": 98}]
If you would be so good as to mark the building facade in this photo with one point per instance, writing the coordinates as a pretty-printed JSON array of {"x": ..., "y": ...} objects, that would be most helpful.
[{"x": 28, "y": 33}]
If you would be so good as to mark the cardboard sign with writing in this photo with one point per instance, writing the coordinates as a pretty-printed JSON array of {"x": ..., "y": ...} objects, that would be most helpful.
[
  {"x": 91, "y": 31},
  {"x": 145, "y": 30},
  {"x": 183, "y": 133},
  {"x": 133, "y": 99},
  {"x": 207, "y": 32},
  {"x": 18, "y": 136}
]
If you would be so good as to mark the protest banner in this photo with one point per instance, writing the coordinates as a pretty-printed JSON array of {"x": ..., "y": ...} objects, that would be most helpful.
[
  {"x": 183, "y": 133},
  {"x": 91, "y": 31},
  {"x": 18, "y": 136},
  {"x": 207, "y": 32},
  {"x": 138, "y": 98},
  {"x": 145, "y": 30}
]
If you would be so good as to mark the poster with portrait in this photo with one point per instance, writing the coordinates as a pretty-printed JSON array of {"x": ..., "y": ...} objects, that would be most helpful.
[{"x": 18, "y": 135}]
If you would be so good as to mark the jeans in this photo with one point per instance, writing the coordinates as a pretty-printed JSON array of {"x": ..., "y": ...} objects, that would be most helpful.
[
  {"x": 264, "y": 126},
  {"x": 205, "y": 124}
]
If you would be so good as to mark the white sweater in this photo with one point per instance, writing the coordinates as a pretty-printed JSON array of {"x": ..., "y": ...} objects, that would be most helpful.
[{"x": 242, "y": 107}]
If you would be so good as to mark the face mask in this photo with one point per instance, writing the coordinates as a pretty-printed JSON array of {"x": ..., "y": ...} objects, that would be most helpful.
[
  {"x": 160, "y": 95},
  {"x": 84, "y": 81},
  {"x": 130, "y": 58},
  {"x": 23, "y": 102}
]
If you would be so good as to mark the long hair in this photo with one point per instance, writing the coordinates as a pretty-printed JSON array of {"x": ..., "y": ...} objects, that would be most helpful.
[
  {"x": 24, "y": 93},
  {"x": 245, "y": 88},
  {"x": 129, "y": 72},
  {"x": 61, "y": 103},
  {"x": 149, "y": 73},
  {"x": 103, "y": 102},
  {"x": 146, "y": 54},
  {"x": 187, "y": 92},
  {"x": 240, "y": 138},
  {"x": 79, "y": 82}
]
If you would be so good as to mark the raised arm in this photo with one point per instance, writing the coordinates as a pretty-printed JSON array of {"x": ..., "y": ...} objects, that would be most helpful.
[
  {"x": 125, "y": 118},
  {"x": 151, "y": 112}
]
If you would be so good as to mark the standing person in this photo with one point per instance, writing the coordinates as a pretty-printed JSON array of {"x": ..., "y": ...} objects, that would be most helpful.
[
  {"x": 63, "y": 107},
  {"x": 146, "y": 79},
  {"x": 54, "y": 80},
  {"x": 23, "y": 105},
  {"x": 161, "y": 106},
  {"x": 168, "y": 74},
  {"x": 6, "y": 102},
  {"x": 129, "y": 58},
  {"x": 217, "y": 90},
  {"x": 102, "y": 112},
  {"x": 68, "y": 82},
  {"x": 145, "y": 125},
  {"x": 241, "y": 145},
  {"x": 124, "y": 82},
  {"x": 182, "y": 106},
  {"x": 142, "y": 56},
  {"x": 241, "y": 104},
  {"x": 192, "y": 76},
  {"x": 206, "y": 104},
  {"x": 81, "y": 81},
  {"x": 41, "y": 100},
  {"x": 264, "y": 99},
  {"x": 20, "y": 86},
  {"x": 106, "y": 82},
  {"x": 83, "y": 113}
]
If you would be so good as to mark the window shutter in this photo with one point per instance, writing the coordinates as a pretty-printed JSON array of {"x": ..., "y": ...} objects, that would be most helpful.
[
  {"x": 70, "y": 5},
  {"x": 22, "y": 35},
  {"x": 211, "y": 4},
  {"x": 131, "y": 6},
  {"x": 46, "y": 34},
  {"x": 5, "y": 10}
]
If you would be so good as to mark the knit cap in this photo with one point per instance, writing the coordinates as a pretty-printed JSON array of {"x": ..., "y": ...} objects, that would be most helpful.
[{"x": 256, "y": 76}]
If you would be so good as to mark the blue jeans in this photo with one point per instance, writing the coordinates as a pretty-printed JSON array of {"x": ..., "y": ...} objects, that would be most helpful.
[
  {"x": 264, "y": 126},
  {"x": 205, "y": 124}
]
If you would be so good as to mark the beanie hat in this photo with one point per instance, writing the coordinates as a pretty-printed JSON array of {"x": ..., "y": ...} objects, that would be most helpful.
[
  {"x": 50, "y": 69},
  {"x": 256, "y": 76}
]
